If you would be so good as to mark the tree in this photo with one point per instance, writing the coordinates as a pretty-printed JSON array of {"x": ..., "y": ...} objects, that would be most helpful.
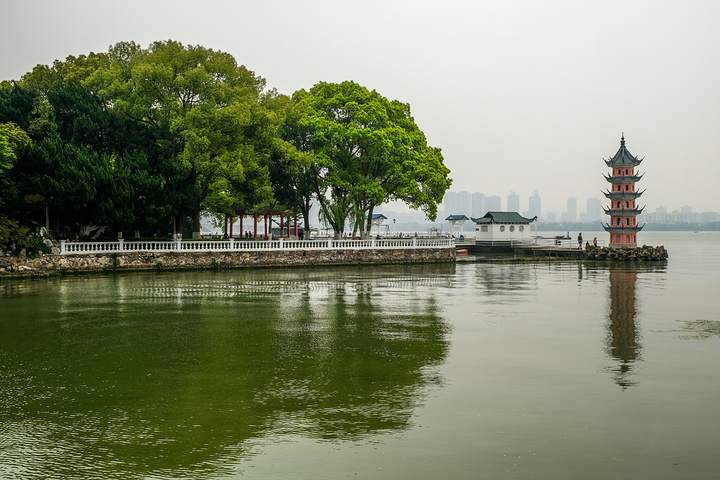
[
  {"x": 204, "y": 100},
  {"x": 291, "y": 171},
  {"x": 368, "y": 150},
  {"x": 72, "y": 69},
  {"x": 6, "y": 154},
  {"x": 12, "y": 138}
]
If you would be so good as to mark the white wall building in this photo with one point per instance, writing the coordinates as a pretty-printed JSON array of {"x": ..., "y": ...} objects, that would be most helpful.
[{"x": 502, "y": 226}]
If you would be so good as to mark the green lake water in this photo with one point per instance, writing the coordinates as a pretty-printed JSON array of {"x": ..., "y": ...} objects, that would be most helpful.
[{"x": 548, "y": 370}]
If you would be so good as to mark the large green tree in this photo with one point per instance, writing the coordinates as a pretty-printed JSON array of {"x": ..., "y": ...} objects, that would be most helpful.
[
  {"x": 90, "y": 166},
  {"x": 206, "y": 103},
  {"x": 368, "y": 150},
  {"x": 291, "y": 173}
]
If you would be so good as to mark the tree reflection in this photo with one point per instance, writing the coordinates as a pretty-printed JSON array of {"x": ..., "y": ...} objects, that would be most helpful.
[{"x": 167, "y": 376}]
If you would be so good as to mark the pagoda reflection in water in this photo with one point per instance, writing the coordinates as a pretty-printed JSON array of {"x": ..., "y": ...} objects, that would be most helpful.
[{"x": 623, "y": 335}]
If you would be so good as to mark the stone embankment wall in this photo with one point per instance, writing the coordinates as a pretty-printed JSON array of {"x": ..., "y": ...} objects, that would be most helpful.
[
  {"x": 644, "y": 253},
  {"x": 53, "y": 264}
]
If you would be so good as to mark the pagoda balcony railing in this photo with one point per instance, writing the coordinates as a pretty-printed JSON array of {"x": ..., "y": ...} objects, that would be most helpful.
[
  {"x": 623, "y": 179},
  {"x": 623, "y": 212},
  {"x": 622, "y": 195},
  {"x": 233, "y": 245},
  {"x": 622, "y": 229}
]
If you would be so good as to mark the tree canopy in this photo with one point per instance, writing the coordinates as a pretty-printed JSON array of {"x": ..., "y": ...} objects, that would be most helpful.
[
  {"x": 145, "y": 138},
  {"x": 368, "y": 150}
]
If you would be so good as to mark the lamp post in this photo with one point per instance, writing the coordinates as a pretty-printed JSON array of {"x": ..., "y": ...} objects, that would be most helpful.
[{"x": 394, "y": 231}]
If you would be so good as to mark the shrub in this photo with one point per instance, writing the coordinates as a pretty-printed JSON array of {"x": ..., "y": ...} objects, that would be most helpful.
[{"x": 14, "y": 238}]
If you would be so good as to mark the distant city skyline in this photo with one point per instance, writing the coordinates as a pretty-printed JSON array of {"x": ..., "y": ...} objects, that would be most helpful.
[
  {"x": 521, "y": 96},
  {"x": 477, "y": 204}
]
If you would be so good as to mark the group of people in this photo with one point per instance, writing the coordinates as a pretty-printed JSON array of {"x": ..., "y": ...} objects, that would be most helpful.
[{"x": 580, "y": 240}]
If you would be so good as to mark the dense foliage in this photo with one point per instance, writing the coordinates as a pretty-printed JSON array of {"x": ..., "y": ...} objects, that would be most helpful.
[
  {"x": 367, "y": 150},
  {"x": 146, "y": 140}
]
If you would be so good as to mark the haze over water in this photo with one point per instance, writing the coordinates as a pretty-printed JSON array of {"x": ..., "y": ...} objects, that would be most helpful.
[{"x": 471, "y": 370}]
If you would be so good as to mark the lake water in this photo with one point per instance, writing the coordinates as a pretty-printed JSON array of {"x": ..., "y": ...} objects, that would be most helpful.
[{"x": 549, "y": 370}]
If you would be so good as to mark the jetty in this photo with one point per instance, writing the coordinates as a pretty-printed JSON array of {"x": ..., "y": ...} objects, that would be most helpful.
[{"x": 535, "y": 247}]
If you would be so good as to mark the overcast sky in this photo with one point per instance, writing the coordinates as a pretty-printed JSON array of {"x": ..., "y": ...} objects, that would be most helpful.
[{"x": 520, "y": 96}]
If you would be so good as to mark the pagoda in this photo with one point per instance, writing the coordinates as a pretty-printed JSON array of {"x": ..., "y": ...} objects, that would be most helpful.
[{"x": 623, "y": 225}]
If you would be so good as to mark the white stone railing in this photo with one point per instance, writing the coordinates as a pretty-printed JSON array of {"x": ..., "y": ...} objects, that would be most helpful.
[
  {"x": 560, "y": 243},
  {"x": 232, "y": 245}
]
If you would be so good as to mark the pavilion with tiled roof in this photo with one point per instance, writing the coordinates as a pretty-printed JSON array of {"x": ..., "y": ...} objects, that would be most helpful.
[{"x": 502, "y": 226}]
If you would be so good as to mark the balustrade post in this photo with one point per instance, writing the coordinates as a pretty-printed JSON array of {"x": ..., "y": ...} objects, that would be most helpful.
[
  {"x": 232, "y": 243},
  {"x": 280, "y": 244},
  {"x": 62, "y": 246},
  {"x": 372, "y": 242},
  {"x": 414, "y": 244},
  {"x": 121, "y": 242},
  {"x": 330, "y": 245},
  {"x": 178, "y": 242}
]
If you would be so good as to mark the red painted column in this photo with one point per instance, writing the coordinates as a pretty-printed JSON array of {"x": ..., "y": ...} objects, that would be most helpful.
[
  {"x": 255, "y": 225},
  {"x": 232, "y": 220},
  {"x": 242, "y": 232}
]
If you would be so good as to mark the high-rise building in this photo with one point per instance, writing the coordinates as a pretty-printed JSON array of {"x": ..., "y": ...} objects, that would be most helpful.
[
  {"x": 661, "y": 214},
  {"x": 513, "y": 202},
  {"x": 478, "y": 205},
  {"x": 594, "y": 210},
  {"x": 493, "y": 203},
  {"x": 457, "y": 203},
  {"x": 535, "y": 205},
  {"x": 571, "y": 213}
]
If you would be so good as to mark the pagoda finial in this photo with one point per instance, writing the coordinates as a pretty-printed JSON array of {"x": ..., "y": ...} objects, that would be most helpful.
[{"x": 622, "y": 139}]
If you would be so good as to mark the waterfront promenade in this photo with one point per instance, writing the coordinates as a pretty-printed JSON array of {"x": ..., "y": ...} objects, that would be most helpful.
[
  {"x": 132, "y": 255},
  {"x": 233, "y": 245}
]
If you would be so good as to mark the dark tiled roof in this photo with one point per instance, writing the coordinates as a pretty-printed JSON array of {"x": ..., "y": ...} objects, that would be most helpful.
[
  {"x": 623, "y": 158},
  {"x": 621, "y": 229},
  {"x": 457, "y": 217},
  {"x": 503, "y": 217}
]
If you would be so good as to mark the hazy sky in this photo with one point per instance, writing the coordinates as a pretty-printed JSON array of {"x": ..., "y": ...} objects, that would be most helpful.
[{"x": 519, "y": 95}]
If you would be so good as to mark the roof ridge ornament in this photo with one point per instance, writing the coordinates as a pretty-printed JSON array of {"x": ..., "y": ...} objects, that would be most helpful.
[{"x": 622, "y": 139}]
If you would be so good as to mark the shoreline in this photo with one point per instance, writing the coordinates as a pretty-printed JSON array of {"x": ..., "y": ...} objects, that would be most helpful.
[{"x": 52, "y": 265}]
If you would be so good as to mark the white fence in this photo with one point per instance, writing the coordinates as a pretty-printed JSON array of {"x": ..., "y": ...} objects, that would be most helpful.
[
  {"x": 231, "y": 245},
  {"x": 559, "y": 243}
]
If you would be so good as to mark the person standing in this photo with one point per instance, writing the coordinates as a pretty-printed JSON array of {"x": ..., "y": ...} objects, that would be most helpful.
[
  {"x": 580, "y": 241},
  {"x": 595, "y": 242}
]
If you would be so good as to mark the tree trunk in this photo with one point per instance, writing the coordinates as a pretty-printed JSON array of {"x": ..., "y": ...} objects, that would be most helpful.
[
  {"x": 369, "y": 221},
  {"x": 196, "y": 225},
  {"x": 179, "y": 224},
  {"x": 306, "y": 215}
]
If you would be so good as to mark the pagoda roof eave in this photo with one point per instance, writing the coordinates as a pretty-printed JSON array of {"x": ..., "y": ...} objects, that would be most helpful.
[
  {"x": 623, "y": 212},
  {"x": 623, "y": 157},
  {"x": 623, "y": 179},
  {"x": 623, "y": 162},
  {"x": 622, "y": 229},
  {"x": 622, "y": 195}
]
